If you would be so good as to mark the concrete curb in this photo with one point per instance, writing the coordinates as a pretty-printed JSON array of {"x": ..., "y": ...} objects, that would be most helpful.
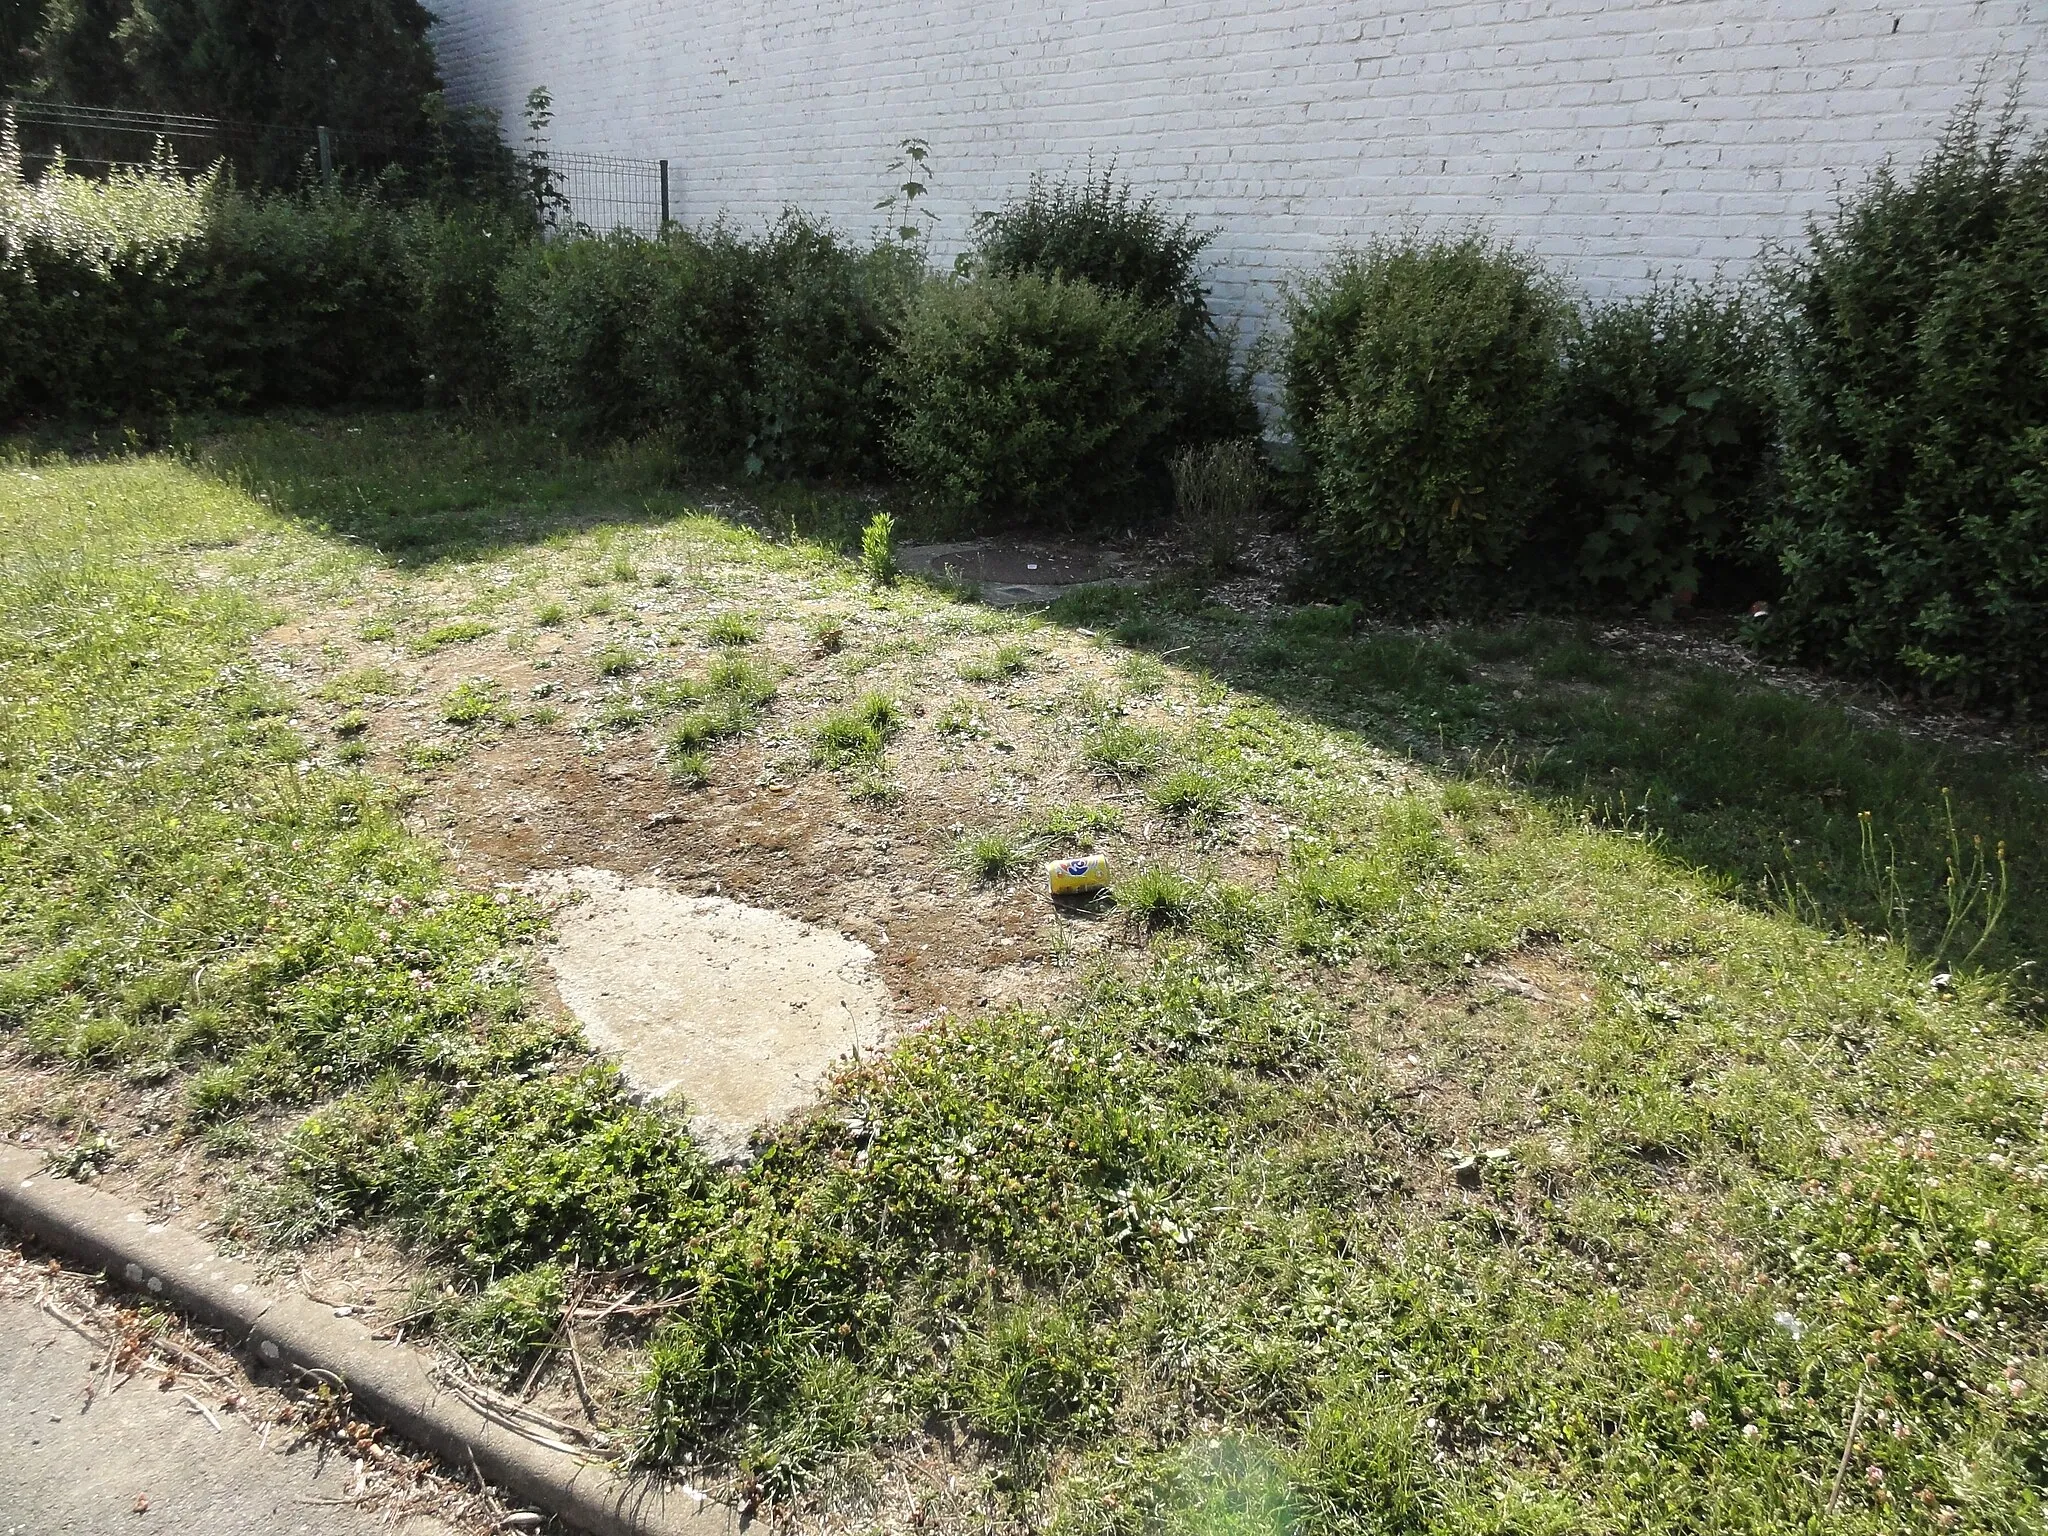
[{"x": 388, "y": 1382}]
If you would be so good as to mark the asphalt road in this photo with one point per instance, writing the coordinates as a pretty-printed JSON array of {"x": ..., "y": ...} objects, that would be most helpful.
[{"x": 141, "y": 1462}]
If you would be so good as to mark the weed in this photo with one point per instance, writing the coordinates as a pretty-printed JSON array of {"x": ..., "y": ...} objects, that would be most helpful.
[
  {"x": 858, "y": 734},
  {"x": 1078, "y": 825},
  {"x": 1191, "y": 796},
  {"x": 617, "y": 661},
  {"x": 543, "y": 715},
  {"x": 455, "y": 632},
  {"x": 600, "y": 605},
  {"x": 354, "y": 687},
  {"x": 624, "y": 570},
  {"x": 352, "y": 751},
  {"x": 426, "y": 756},
  {"x": 1004, "y": 662},
  {"x": 1217, "y": 489},
  {"x": 871, "y": 786},
  {"x": 991, "y": 857},
  {"x": 551, "y": 615},
  {"x": 828, "y": 635},
  {"x": 1143, "y": 675},
  {"x": 475, "y": 702},
  {"x": 624, "y": 713},
  {"x": 878, "y": 548},
  {"x": 959, "y": 718},
  {"x": 1157, "y": 897},
  {"x": 376, "y": 629},
  {"x": 503, "y": 1327},
  {"x": 732, "y": 629},
  {"x": 687, "y": 765},
  {"x": 352, "y": 723},
  {"x": 748, "y": 682},
  {"x": 84, "y": 1160},
  {"x": 1037, "y": 1372},
  {"x": 1121, "y": 751}
]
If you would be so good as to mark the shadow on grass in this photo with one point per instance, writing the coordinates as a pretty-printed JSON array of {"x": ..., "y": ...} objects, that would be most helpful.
[
  {"x": 1787, "y": 801},
  {"x": 419, "y": 489}
]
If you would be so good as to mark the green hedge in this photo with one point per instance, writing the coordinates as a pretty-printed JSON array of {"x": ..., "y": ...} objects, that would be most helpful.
[
  {"x": 1030, "y": 397},
  {"x": 1912, "y": 537},
  {"x": 1421, "y": 382},
  {"x": 149, "y": 292},
  {"x": 1668, "y": 424},
  {"x": 766, "y": 351}
]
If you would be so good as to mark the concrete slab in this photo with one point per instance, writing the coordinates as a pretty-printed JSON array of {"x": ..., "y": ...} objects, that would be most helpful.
[
  {"x": 740, "y": 1010},
  {"x": 142, "y": 1462},
  {"x": 1016, "y": 573}
]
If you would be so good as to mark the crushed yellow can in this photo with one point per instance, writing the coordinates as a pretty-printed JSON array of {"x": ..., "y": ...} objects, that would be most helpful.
[{"x": 1078, "y": 876}]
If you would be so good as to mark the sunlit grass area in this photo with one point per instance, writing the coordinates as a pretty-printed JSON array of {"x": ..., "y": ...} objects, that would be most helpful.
[{"x": 1538, "y": 1084}]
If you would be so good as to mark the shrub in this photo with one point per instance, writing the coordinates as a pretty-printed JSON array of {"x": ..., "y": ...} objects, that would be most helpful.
[
  {"x": 1913, "y": 541},
  {"x": 1099, "y": 231},
  {"x": 764, "y": 352},
  {"x": 617, "y": 335},
  {"x": 1030, "y": 397},
  {"x": 821, "y": 318},
  {"x": 152, "y": 291},
  {"x": 1420, "y": 377},
  {"x": 454, "y": 261},
  {"x": 1668, "y": 424}
]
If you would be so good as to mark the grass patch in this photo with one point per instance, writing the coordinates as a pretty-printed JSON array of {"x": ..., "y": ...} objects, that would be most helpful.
[
  {"x": 727, "y": 703},
  {"x": 1121, "y": 751},
  {"x": 1191, "y": 796},
  {"x": 1000, "y": 664},
  {"x": 1157, "y": 898},
  {"x": 732, "y": 629},
  {"x": 617, "y": 661},
  {"x": 858, "y": 734},
  {"x": 1077, "y": 825},
  {"x": 476, "y": 702},
  {"x": 1507, "y": 1163},
  {"x": 455, "y": 632},
  {"x": 992, "y": 858},
  {"x": 360, "y": 685}
]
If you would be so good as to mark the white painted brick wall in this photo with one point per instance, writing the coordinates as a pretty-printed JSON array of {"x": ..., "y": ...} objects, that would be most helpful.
[{"x": 1616, "y": 138}]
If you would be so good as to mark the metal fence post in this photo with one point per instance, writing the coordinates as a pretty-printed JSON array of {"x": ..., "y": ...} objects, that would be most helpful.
[
  {"x": 664, "y": 197},
  {"x": 326, "y": 154}
]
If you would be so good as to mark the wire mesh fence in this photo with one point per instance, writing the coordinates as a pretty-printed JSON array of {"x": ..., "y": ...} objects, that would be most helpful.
[
  {"x": 606, "y": 192},
  {"x": 570, "y": 190}
]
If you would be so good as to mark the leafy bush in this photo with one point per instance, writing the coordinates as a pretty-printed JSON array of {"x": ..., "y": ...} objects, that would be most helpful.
[
  {"x": 454, "y": 261},
  {"x": 766, "y": 351},
  {"x": 1668, "y": 423},
  {"x": 1914, "y": 536},
  {"x": 152, "y": 291},
  {"x": 822, "y": 313},
  {"x": 1098, "y": 230},
  {"x": 616, "y": 335},
  {"x": 1029, "y": 396},
  {"x": 1420, "y": 378}
]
